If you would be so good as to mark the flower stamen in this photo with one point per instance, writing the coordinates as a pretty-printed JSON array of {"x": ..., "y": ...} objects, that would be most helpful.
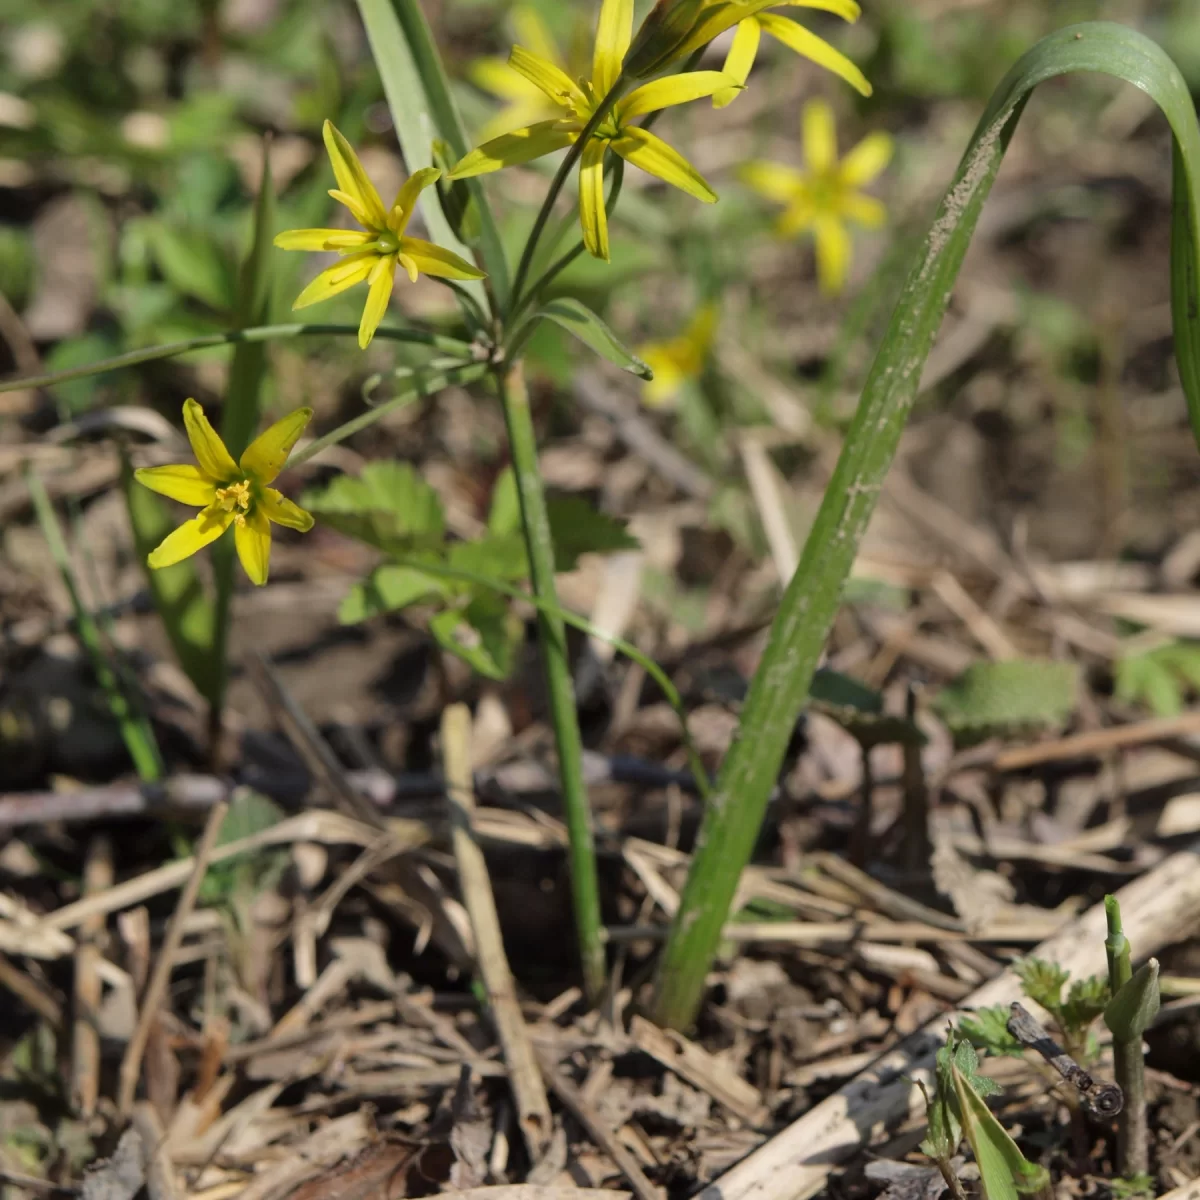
[{"x": 235, "y": 499}]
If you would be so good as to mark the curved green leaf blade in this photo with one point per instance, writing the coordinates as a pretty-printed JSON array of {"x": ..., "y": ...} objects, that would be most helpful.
[
  {"x": 418, "y": 95},
  {"x": 594, "y": 333},
  {"x": 781, "y": 684}
]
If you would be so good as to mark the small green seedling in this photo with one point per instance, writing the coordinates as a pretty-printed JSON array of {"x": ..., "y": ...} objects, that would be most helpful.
[
  {"x": 1133, "y": 1006},
  {"x": 957, "y": 1110}
]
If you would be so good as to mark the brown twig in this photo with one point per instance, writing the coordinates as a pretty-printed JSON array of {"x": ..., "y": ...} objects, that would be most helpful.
[
  {"x": 85, "y": 1041},
  {"x": 529, "y": 1092},
  {"x": 131, "y": 1063},
  {"x": 1097, "y": 742},
  {"x": 597, "y": 1130}
]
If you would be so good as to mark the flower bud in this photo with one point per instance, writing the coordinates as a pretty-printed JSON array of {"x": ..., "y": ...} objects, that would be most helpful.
[{"x": 674, "y": 28}]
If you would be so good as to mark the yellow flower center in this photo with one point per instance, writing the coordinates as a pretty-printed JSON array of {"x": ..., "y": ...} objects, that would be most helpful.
[{"x": 235, "y": 499}]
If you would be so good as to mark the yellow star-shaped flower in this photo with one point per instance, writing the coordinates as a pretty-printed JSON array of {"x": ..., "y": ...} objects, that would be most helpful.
[
  {"x": 372, "y": 253},
  {"x": 578, "y": 102},
  {"x": 229, "y": 493},
  {"x": 795, "y": 37},
  {"x": 825, "y": 195},
  {"x": 679, "y": 360}
]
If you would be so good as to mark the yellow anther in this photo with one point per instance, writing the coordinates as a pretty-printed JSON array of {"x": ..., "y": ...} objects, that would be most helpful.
[{"x": 235, "y": 497}]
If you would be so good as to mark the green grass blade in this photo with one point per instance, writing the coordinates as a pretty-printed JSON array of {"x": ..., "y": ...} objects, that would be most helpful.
[
  {"x": 135, "y": 729},
  {"x": 810, "y": 603},
  {"x": 178, "y": 594},
  {"x": 418, "y": 94},
  {"x": 243, "y": 403},
  {"x": 234, "y": 337}
]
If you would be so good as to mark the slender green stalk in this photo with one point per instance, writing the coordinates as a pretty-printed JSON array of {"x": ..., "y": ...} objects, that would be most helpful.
[
  {"x": 135, "y": 729},
  {"x": 560, "y": 690},
  {"x": 260, "y": 333},
  {"x": 556, "y": 185},
  {"x": 1134, "y": 1004},
  {"x": 780, "y": 686},
  {"x": 561, "y": 264},
  {"x": 419, "y": 383}
]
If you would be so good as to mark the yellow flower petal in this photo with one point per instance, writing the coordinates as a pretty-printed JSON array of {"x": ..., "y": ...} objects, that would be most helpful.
[
  {"x": 510, "y": 149},
  {"x": 547, "y": 77},
  {"x": 820, "y": 137},
  {"x": 278, "y": 508},
  {"x": 357, "y": 210},
  {"x": 846, "y": 9},
  {"x": 436, "y": 261},
  {"x": 193, "y": 535},
  {"x": 773, "y": 180},
  {"x": 866, "y": 160},
  {"x": 252, "y": 537},
  {"x": 532, "y": 31},
  {"x": 405, "y": 203},
  {"x": 381, "y": 279},
  {"x": 668, "y": 378},
  {"x": 182, "y": 482},
  {"x": 345, "y": 274},
  {"x": 410, "y": 267},
  {"x": 739, "y": 60},
  {"x": 701, "y": 333},
  {"x": 833, "y": 253},
  {"x": 796, "y": 218},
  {"x": 215, "y": 461},
  {"x": 795, "y": 37},
  {"x": 263, "y": 459},
  {"x": 494, "y": 75},
  {"x": 674, "y": 89},
  {"x": 351, "y": 177},
  {"x": 592, "y": 216},
  {"x": 655, "y": 157},
  {"x": 614, "y": 31},
  {"x": 864, "y": 210},
  {"x": 322, "y": 239}
]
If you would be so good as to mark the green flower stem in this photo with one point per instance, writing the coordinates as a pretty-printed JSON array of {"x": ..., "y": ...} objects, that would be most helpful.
[
  {"x": 1129, "y": 1067},
  {"x": 259, "y": 333},
  {"x": 539, "y": 546},
  {"x": 780, "y": 687},
  {"x": 418, "y": 383},
  {"x": 135, "y": 729},
  {"x": 556, "y": 185},
  {"x": 561, "y": 264}
]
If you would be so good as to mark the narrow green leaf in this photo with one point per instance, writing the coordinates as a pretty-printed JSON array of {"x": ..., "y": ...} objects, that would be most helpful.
[
  {"x": 1129, "y": 1013},
  {"x": 579, "y": 320},
  {"x": 809, "y": 605},
  {"x": 243, "y": 403},
  {"x": 136, "y": 731},
  {"x": 418, "y": 93},
  {"x": 232, "y": 337}
]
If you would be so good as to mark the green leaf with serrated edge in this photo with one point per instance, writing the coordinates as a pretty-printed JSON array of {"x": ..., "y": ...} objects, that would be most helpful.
[
  {"x": 1147, "y": 679},
  {"x": 1004, "y": 1171},
  {"x": 1085, "y": 1001},
  {"x": 388, "y": 505},
  {"x": 249, "y": 813},
  {"x": 987, "y": 1028},
  {"x": 422, "y": 107},
  {"x": 485, "y": 635},
  {"x": 1015, "y": 694},
  {"x": 499, "y": 557},
  {"x": 1042, "y": 981},
  {"x": 579, "y": 320},
  {"x": 578, "y": 528},
  {"x": 192, "y": 265},
  {"x": 388, "y": 589},
  {"x": 1129, "y": 1013}
]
